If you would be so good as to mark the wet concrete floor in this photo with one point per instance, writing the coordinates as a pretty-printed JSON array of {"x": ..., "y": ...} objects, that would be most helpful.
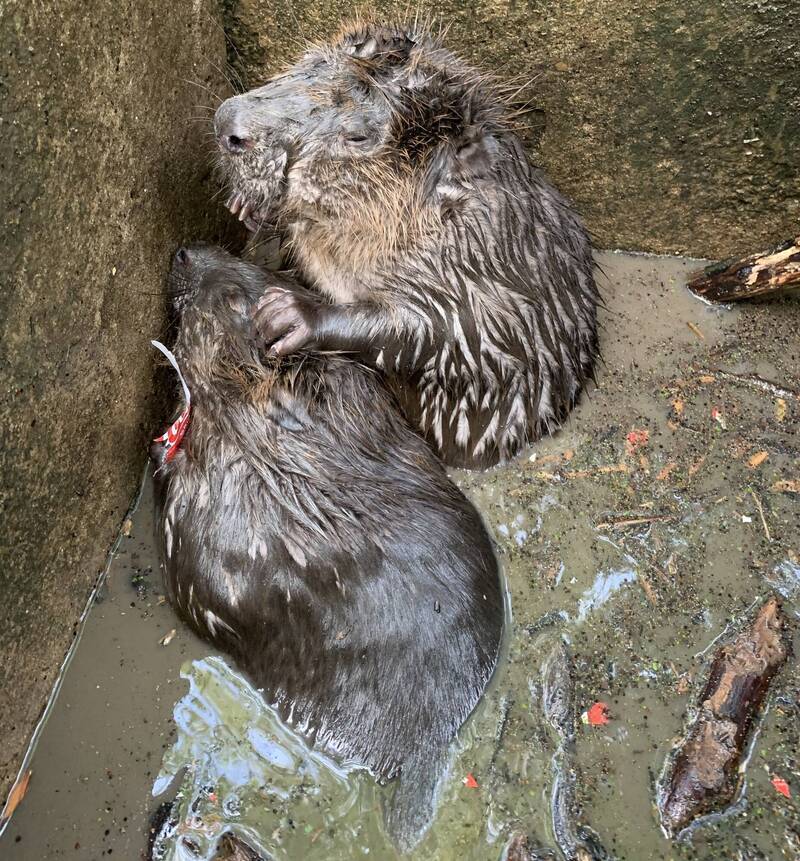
[{"x": 639, "y": 534}]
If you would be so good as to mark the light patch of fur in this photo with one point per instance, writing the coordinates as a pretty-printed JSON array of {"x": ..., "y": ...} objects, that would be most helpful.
[{"x": 376, "y": 216}]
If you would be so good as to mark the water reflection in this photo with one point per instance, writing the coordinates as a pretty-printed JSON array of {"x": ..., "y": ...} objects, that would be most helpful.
[{"x": 244, "y": 771}]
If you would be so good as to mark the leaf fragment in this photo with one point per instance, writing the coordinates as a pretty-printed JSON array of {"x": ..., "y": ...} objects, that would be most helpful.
[
  {"x": 16, "y": 795},
  {"x": 755, "y": 460}
]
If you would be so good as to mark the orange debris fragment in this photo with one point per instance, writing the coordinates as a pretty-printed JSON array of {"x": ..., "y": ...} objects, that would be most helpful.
[{"x": 597, "y": 715}]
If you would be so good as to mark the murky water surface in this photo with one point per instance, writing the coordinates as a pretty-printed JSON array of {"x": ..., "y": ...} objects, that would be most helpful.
[{"x": 637, "y": 536}]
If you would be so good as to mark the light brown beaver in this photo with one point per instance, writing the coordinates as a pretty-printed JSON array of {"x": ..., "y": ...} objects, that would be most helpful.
[
  {"x": 445, "y": 259},
  {"x": 307, "y": 530}
]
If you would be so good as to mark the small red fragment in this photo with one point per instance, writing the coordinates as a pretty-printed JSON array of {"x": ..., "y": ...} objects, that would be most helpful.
[
  {"x": 782, "y": 786},
  {"x": 470, "y": 782},
  {"x": 212, "y": 797},
  {"x": 636, "y": 439},
  {"x": 597, "y": 715}
]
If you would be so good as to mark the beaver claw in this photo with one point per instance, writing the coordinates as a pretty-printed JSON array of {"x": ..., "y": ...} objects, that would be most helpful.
[{"x": 287, "y": 320}]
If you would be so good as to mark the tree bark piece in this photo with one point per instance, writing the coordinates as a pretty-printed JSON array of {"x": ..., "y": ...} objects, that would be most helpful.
[
  {"x": 769, "y": 273},
  {"x": 702, "y": 773}
]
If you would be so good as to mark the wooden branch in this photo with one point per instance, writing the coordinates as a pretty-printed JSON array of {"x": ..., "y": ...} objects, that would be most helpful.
[
  {"x": 770, "y": 273},
  {"x": 702, "y": 773}
]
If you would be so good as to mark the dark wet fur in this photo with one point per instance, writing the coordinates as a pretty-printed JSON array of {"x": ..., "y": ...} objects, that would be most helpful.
[
  {"x": 342, "y": 568},
  {"x": 456, "y": 268}
]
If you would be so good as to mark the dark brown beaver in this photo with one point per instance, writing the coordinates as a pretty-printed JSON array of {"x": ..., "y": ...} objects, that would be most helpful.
[
  {"x": 309, "y": 532},
  {"x": 447, "y": 260}
]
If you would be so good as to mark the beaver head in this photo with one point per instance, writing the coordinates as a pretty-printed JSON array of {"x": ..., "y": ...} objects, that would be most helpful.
[
  {"x": 214, "y": 295},
  {"x": 213, "y": 288},
  {"x": 382, "y": 128},
  {"x": 454, "y": 267}
]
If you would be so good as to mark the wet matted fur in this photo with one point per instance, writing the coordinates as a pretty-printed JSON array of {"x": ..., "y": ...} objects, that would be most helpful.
[
  {"x": 309, "y": 532},
  {"x": 445, "y": 258}
]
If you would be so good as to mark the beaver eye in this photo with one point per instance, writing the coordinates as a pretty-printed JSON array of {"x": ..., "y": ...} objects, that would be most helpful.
[{"x": 355, "y": 138}]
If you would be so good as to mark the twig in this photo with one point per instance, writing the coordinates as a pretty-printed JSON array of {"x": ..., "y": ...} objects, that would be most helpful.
[
  {"x": 696, "y": 330},
  {"x": 755, "y": 382},
  {"x": 600, "y": 470},
  {"x": 761, "y": 514},
  {"x": 557, "y": 476},
  {"x": 647, "y": 587},
  {"x": 633, "y": 521}
]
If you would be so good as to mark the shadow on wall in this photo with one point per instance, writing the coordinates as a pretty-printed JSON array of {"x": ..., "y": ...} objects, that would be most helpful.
[{"x": 105, "y": 165}]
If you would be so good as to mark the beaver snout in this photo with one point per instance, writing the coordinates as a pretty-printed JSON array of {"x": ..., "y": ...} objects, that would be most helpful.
[
  {"x": 182, "y": 257},
  {"x": 183, "y": 278},
  {"x": 231, "y": 128}
]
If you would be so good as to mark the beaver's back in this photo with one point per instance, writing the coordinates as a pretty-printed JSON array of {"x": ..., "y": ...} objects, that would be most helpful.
[{"x": 328, "y": 552}]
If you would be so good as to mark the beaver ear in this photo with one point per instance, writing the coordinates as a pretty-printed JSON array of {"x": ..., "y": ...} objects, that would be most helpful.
[
  {"x": 475, "y": 155},
  {"x": 381, "y": 49},
  {"x": 457, "y": 163}
]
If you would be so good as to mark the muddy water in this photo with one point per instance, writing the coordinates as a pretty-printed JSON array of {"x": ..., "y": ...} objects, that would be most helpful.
[{"x": 636, "y": 537}]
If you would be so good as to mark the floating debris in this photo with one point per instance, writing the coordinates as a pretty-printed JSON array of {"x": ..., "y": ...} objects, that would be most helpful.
[
  {"x": 696, "y": 330},
  {"x": 15, "y": 797},
  {"x": 636, "y": 439},
  {"x": 786, "y": 485},
  {"x": 702, "y": 773},
  {"x": 781, "y": 786},
  {"x": 470, "y": 782},
  {"x": 760, "y": 508},
  {"x": 752, "y": 381},
  {"x": 755, "y": 460},
  {"x": 624, "y": 522},
  {"x": 597, "y": 715},
  {"x": 767, "y": 273},
  {"x": 168, "y": 637},
  {"x": 519, "y": 849}
]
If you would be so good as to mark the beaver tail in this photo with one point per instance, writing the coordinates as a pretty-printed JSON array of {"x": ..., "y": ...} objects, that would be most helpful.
[{"x": 410, "y": 810}]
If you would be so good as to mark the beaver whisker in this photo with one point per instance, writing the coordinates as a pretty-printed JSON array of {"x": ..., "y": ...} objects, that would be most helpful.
[{"x": 202, "y": 86}]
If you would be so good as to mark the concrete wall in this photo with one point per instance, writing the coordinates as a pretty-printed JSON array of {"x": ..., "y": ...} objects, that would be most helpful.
[
  {"x": 675, "y": 126},
  {"x": 103, "y": 172}
]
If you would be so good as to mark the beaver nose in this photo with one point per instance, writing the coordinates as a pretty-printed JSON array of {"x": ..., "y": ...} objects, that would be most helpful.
[
  {"x": 236, "y": 143},
  {"x": 232, "y": 134},
  {"x": 183, "y": 257}
]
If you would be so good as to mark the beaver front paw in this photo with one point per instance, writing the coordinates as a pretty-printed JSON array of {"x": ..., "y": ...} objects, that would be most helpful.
[{"x": 287, "y": 320}]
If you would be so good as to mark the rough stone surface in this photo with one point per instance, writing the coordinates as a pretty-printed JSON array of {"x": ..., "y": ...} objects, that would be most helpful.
[
  {"x": 103, "y": 172},
  {"x": 674, "y": 126}
]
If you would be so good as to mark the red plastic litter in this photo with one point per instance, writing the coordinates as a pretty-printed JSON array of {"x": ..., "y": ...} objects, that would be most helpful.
[
  {"x": 174, "y": 434},
  {"x": 597, "y": 715},
  {"x": 782, "y": 786},
  {"x": 470, "y": 782}
]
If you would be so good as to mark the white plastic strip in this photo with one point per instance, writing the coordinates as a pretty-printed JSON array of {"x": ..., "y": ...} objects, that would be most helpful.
[{"x": 174, "y": 362}]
